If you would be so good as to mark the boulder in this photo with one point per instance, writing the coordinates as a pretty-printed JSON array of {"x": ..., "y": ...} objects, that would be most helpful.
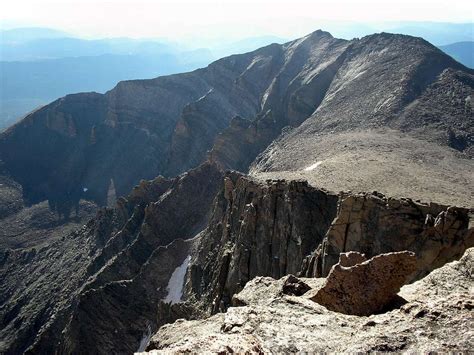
[
  {"x": 365, "y": 288},
  {"x": 437, "y": 318}
]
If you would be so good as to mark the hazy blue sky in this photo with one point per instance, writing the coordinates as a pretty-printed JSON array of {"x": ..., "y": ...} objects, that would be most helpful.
[{"x": 177, "y": 19}]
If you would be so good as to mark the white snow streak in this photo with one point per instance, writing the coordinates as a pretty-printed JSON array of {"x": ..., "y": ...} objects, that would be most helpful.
[
  {"x": 175, "y": 284},
  {"x": 145, "y": 340},
  {"x": 314, "y": 166},
  {"x": 204, "y": 96}
]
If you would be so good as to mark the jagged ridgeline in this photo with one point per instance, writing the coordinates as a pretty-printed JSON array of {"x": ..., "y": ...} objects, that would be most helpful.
[
  {"x": 183, "y": 247},
  {"x": 233, "y": 109}
]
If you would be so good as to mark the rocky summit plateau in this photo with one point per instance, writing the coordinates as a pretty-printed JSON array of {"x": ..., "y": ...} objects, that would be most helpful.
[{"x": 314, "y": 196}]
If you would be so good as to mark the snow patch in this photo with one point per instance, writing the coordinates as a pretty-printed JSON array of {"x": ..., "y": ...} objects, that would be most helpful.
[
  {"x": 314, "y": 166},
  {"x": 145, "y": 340},
  {"x": 176, "y": 282},
  {"x": 206, "y": 94}
]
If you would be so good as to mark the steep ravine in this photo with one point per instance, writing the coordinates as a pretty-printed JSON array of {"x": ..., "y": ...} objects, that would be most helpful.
[{"x": 42, "y": 289}]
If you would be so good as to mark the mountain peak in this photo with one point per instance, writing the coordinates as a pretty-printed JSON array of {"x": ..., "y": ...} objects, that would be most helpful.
[
  {"x": 319, "y": 34},
  {"x": 382, "y": 37}
]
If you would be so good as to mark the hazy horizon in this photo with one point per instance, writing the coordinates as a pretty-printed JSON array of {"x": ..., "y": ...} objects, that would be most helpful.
[
  {"x": 186, "y": 21},
  {"x": 39, "y": 65}
]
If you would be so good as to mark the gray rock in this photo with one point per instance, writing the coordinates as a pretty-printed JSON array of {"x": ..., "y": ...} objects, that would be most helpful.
[{"x": 436, "y": 318}]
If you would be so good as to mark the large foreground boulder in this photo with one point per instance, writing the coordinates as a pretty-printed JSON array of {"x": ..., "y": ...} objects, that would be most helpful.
[{"x": 367, "y": 287}]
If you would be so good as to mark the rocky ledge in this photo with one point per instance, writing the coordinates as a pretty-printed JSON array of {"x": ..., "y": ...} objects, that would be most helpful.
[{"x": 435, "y": 316}]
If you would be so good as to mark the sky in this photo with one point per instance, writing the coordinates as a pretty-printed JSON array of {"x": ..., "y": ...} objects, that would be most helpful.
[{"x": 180, "y": 19}]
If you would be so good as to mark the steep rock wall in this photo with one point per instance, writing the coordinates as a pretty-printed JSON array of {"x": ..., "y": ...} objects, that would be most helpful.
[
  {"x": 257, "y": 229},
  {"x": 373, "y": 224}
]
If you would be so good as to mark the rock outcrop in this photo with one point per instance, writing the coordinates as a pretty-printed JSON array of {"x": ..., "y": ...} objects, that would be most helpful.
[
  {"x": 256, "y": 229},
  {"x": 53, "y": 299},
  {"x": 373, "y": 224},
  {"x": 367, "y": 287},
  {"x": 436, "y": 318}
]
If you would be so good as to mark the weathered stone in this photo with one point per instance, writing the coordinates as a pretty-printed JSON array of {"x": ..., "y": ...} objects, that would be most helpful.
[
  {"x": 351, "y": 258},
  {"x": 117, "y": 267},
  {"x": 366, "y": 288},
  {"x": 375, "y": 225},
  {"x": 436, "y": 318},
  {"x": 266, "y": 229}
]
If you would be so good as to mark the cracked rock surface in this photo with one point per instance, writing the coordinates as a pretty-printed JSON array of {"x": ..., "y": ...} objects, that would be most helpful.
[{"x": 437, "y": 317}]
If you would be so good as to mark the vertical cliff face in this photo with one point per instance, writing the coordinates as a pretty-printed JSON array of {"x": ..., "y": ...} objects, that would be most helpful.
[
  {"x": 46, "y": 152},
  {"x": 257, "y": 229},
  {"x": 373, "y": 224},
  {"x": 269, "y": 229}
]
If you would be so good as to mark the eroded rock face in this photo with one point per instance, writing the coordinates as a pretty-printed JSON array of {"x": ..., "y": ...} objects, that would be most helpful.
[
  {"x": 436, "y": 318},
  {"x": 368, "y": 287},
  {"x": 374, "y": 224},
  {"x": 257, "y": 229},
  {"x": 167, "y": 125},
  {"x": 230, "y": 228},
  {"x": 351, "y": 258},
  {"x": 265, "y": 229}
]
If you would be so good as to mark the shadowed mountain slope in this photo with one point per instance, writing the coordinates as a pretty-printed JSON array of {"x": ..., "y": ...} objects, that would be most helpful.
[{"x": 236, "y": 107}]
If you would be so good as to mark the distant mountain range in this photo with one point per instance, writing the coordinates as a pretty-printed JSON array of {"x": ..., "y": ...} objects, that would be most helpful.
[
  {"x": 24, "y": 34},
  {"x": 463, "y": 52},
  {"x": 26, "y": 85},
  {"x": 38, "y": 65}
]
